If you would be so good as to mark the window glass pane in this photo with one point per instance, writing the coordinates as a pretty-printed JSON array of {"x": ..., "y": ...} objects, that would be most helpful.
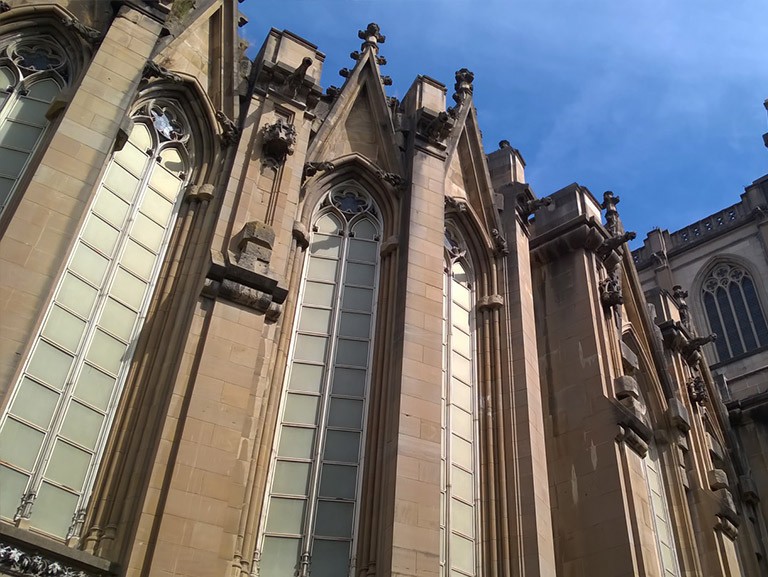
[
  {"x": 322, "y": 269},
  {"x": 13, "y": 484},
  {"x": 44, "y": 90},
  {"x": 94, "y": 387},
  {"x": 358, "y": 299},
  {"x": 334, "y": 519},
  {"x": 352, "y": 353},
  {"x": 171, "y": 160},
  {"x": 461, "y": 368},
  {"x": 106, "y": 352},
  {"x": 306, "y": 378},
  {"x": 355, "y": 325},
  {"x": 365, "y": 229},
  {"x": 753, "y": 303},
  {"x": 330, "y": 558},
  {"x": 461, "y": 423},
  {"x": 714, "y": 323},
  {"x": 147, "y": 232},
  {"x": 140, "y": 137},
  {"x": 297, "y": 443},
  {"x": 364, "y": 250},
  {"x": 132, "y": 158},
  {"x": 342, "y": 446},
  {"x": 462, "y": 553},
  {"x": 100, "y": 235},
  {"x": 320, "y": 294},
  {"x": 346, "y": 413},
  {"x": 7, "y": 78},
  {"x": 461, "y": 452},
  {"x": 68, "y": 466},
  {"x": 328, "y": 224},
  {"x": 128, "y": 289},
  {"x": 89, "y": 264},
  {"x": 338, "y": 481},
  {"x": 121, "y": 182},
  {"x": 5, "y": 190},
  {"x": 34, "y": 403},
  {"x": 279, "y": 556},
  {"x": 460, "y": 317},
  {"x": 117, "y": 319},
  {"x": 49, "y": 365},
  {"x": 731, "y": 332},
  {"x": 82, "y": 425},
  {"x": 360, "y": 274},
  {"x": 138, "y": 259},
  {"x": 349, "y": 382},
  {"x": 301, "y": 409},
  {"x": 325, "y": 245},
  {"x": 460, "y": 274},
  {"x": 315, "y": 320},
  {"x": 462, "y": 484},
  {"x": 156, "y": 207},
  {"x": 76, "y": 295},
  {"x": 19, "y": 136},
  {"x": 11, "y": 162},
  {"x": 291, "y": 478},
  {"x": 462, "y": 518},
  {"x": 53, "y": 510},
  {"x": 742, "y": 316},
  {"x": 461, "y": 395},
  {"x": 29, "y": 110},
  {"x": 111, "y": 208},
  {"x": 461, "y": 296},
  {"x": 63, "y": 328},
  {"x": 165, "y": 183},
  {"x": 19, "y": 444},
  {"x": 311, "y": 348},
  {"x": 286, "y": 515},
  {"x": 461, "y": 342}
]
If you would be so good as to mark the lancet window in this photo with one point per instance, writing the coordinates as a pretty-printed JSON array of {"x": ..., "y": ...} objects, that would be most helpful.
[
  {"x": 460, "y": 446},
  {"x": 311, "y": 509},
  {"x": 662, "y": 523},
  {"x": 733, "y": 310},
  {"x": 33, "y": 71},
  {"x": 55, "y": 427}
]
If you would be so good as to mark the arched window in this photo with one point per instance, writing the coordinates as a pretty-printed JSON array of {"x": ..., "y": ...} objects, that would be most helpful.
[
  {"x": 33, "y": 70},
  {"x": 459, "y": 493},
  {"x": 662, "y": 524},
  {"x": 53, "y": 433},
  {"x": 311, "y": 509},
  {"x": 733, "y": 310}
]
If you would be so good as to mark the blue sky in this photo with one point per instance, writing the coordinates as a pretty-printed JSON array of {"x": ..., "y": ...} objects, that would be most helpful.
[{"x": 660, "y": 101}]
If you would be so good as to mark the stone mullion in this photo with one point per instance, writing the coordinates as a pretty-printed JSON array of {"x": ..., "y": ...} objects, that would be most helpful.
[{"x": 372, "y": 494}]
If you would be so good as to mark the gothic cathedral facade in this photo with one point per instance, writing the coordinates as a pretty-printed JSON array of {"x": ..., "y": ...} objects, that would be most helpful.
[{"x": 251, "y": 327}]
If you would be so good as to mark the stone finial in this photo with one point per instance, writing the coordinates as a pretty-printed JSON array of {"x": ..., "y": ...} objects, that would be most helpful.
[
  {"x": 279, "y": 141},
  {"x": 504, "y": 144},
  {"x": 386, "y": 80},
  {"x": 463, "y": 86},
  {"x": 345, "y": 72},
  {"x": 371, "y": 37},
  {"x": 613, "y": 223}
]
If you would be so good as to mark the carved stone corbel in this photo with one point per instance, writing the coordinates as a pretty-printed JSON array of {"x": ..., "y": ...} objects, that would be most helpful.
[
  {"x": 279, "y": 141},
  {"x": 490, "y": 302},
  {"x": 691, "y": 349},
  {"x": 90, "y": 35},
  {"x": 612, "y": 243},
  {"x": 153, "y": 70},
  {"x": 610, "y": 289},
  {"x": 300, "y": 234},
  {"x": 697, "y": 392},
  {"x": 435, "y": 128},
  {"x": 501, "y": 248},
  {"x": 229, "y": 130},
  {"x": 312, "y": 168},
  {"x": 453, "y": 204},
  {"x": 294, "y": 81},
  {"x": 395, "y": 180}
]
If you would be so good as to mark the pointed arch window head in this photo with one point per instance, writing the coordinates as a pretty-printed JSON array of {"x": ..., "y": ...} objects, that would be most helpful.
[
  {"x": 733, "y": 310},
  {"x": 34, "y": 69},
  {"x": 311, "y": 507},
  {"x": 53, "y": 433}
]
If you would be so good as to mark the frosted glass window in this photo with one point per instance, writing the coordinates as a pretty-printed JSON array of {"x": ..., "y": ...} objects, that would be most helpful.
[
  {"x": 306, "y": 378},
  {"x": 117, "y": 319},
  {"x": 346, "y": 413},
  {"x": 461, "y": 368},
  {"x": 82, "y": 425},
  {"x": 334, "y": 519},
  {"x": 106, "y": 352},
  {"x": 64, "y": 328},
  {"x": 461, "y": 422},
  {"x": 338, "y": 481},
  {"x": 461, "y": 395},
  {"x": 462, "y": 484},
  {"x": 297, "y": 443},
  {"x": 301, "y": 409},
  {"x": 461, "y": 295},
  {"x": 148, "y": 232},
  {"x": 68, "y": 466},
  {"x": 332, "y": 330},
  {"x": 7, "y": 78},
  {"x": 171, "y": 161},
  {"x": 121, "y": 182},
  {"x": 165, "y": 183},
  {"x": 462, "y": 554},
  {"x": 347, "y": 381},
  {"x": 462, "y": 518},
  {"x": 49, "y": 365},
  {"x": 77, "y": 295},
  {"x": 100, "y": 235},
  {"x": 291, "y": 478},
  {"x": 131, "y": 158},
  {"x": 29, "y": 110},
  {"x": 286, "y": 515},
  {"x": 13, "y": 484},
  {"x": 89, "y": 264},
  {"x": 138, "y": 260},
  {"x": 128, "y": 289},
  {"x": 111, "y": 208},
  {"x": 19, "y": 444},
  {"x": 12, "y": 162},
  {"x": 157, "y": 207},
  {"x": 462, "y": 452},
  {"x": 352, "y": 353},
  {"x": 53, "y": 510},
  {"x": 20, "y": 136},
  {"x": 94, "y": 386},
  {"x": 35, "y": 403},
  {"x": 461, "y": 343}
]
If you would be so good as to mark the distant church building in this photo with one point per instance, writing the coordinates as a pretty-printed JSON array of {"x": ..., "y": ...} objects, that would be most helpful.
[{"x": 250, "y": 327}]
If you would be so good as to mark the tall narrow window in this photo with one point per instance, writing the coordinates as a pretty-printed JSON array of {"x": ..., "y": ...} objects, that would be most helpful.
[
  {"x": 33, "y": 71},
  {"x": 311, "y": 506},
  {"x": 662, "y": 524},
  {"x": 733, "y": 311},
  {"x": 54, "y": 430},
  {"x": 459, "y": 515}
]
